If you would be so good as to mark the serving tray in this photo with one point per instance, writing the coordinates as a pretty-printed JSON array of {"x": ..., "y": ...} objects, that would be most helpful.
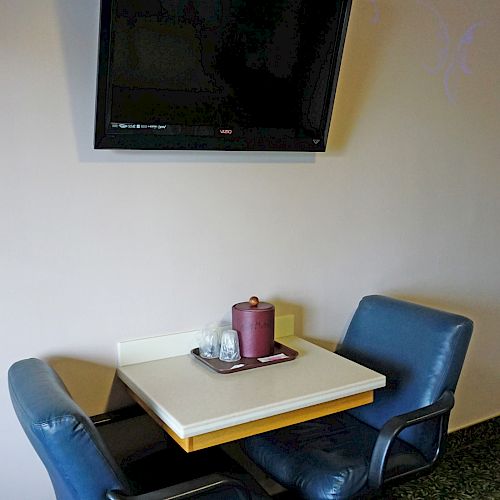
[{"x": 283, "y": 352}]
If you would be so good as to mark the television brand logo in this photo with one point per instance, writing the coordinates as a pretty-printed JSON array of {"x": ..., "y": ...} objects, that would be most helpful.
[{"x": 226, "y": 131}]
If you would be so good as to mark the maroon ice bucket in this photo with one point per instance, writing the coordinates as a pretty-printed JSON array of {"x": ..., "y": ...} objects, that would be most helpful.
[{"x": 254, "y": 322}]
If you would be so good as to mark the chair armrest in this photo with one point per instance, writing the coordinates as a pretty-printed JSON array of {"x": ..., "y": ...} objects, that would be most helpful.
[
  {"x": 390, "y": 430},
  {"x": 188, "y": 489}
]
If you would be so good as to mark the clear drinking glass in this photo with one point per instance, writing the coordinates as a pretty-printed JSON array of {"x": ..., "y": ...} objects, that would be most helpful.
[
  {"x": 210, "y": 342},
  {"x": 229, "y": 346}
]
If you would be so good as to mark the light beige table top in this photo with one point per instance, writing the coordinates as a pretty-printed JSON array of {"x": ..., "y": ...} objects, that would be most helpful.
[{"x": 199, "y": 407}]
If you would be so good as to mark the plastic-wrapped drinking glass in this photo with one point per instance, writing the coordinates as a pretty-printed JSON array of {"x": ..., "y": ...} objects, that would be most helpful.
[
  {"x": 210, "y": 342},
  {"x": 229, "y": 346}
]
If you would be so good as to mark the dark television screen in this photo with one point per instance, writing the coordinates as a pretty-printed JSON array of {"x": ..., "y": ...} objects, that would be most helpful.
[{"x": 218, "y": 74}]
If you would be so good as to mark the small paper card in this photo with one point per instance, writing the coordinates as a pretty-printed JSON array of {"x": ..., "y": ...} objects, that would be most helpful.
[
  {"x": 234, "y": 367},
  {"x": 274, "y": 357}
]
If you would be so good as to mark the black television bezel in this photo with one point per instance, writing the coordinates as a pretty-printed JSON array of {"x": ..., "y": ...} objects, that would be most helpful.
[{"x": 132, "y": 139}]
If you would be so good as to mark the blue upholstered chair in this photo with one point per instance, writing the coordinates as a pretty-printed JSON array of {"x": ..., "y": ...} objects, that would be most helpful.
[
  {"x": 360, "y": 452},
  {"x": 80, "y": 464}
]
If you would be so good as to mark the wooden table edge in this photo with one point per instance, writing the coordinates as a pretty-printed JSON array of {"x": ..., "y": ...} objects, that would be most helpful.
[{"x": 259, "y": 426}]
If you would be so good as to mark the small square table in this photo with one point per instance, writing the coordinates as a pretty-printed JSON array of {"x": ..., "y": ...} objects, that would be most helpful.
[{"x": 200, "y": 408}]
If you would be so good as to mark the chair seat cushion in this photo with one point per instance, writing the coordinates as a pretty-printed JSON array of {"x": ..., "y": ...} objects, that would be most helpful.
[{"x": 326, "y": 458}]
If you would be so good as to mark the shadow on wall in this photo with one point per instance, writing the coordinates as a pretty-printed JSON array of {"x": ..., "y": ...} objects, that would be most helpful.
[
  {"x": 366, "y": 36},
  {"x": 283, "y": 308},
  {"x": 79, "y": 27},
  {"x": 90, "y": 384}
]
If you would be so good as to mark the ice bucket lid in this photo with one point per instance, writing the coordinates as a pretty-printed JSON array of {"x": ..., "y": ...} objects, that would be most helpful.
[{"x": 254, "y": 305}]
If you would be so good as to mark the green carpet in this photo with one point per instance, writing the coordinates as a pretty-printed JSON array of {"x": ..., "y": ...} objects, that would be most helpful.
[{"x": 469, "y": 469}]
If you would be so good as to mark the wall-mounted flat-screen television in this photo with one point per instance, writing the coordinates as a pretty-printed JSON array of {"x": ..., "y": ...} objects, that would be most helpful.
[{"x": 218, "y": 74}]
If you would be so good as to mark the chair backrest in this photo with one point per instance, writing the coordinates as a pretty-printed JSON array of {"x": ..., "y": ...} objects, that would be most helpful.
[
  {"x": 420, "y": 350},
  {"x": 76, "y": 458}
]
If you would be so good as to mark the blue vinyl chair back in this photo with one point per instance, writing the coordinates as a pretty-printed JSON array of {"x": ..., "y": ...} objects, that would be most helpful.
[
  {"x": 420, "y": 351},
  {"x": 77, "y": 460}
]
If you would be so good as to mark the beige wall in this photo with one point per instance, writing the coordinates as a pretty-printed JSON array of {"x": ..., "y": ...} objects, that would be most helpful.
[{"x": 103, "y": 246}]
